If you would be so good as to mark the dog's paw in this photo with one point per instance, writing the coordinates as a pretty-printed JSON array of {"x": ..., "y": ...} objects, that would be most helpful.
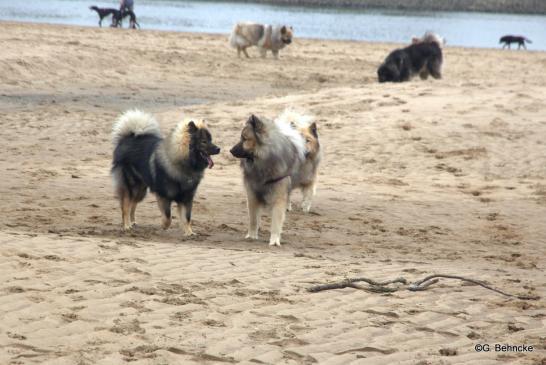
[
  {"x": 289, "y": 207},
  {"x": 306, "y": 207},
  {"x": 275, "y": 241},
  {"x": 165, "y": 223},
  {"x": 251, "y": 236}
]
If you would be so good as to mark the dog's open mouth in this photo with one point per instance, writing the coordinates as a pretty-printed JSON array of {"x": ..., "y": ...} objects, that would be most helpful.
[{"x": 209, "y": 160}]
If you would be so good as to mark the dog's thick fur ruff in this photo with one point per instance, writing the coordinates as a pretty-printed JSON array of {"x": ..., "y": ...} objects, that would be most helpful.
[
  {"x": 272, "y": 154},
  {"x": 306, "y": 177},
  {"x": 402, "y": 64},
  {"x": 266, "y": 37},
  {"x": 509, "y": 39},
  {"x": 170, "y": 167}
]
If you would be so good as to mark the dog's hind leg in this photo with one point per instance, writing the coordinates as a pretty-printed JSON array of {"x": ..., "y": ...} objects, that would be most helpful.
[
  {"x": 165, "y": 209},
  {"x": 253, "y": 216},
  {"x": 277, "y": 220},
  {"x": 288, "y": 203},
  {"x": 184, "y": 213},
  {"x": 126, "y": 204},
  {"x": 140, "y": 193}
]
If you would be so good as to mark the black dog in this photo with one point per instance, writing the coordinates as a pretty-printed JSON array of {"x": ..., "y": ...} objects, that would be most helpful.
[
  {"x": 508, "y": 39},
  {"x": 104, "y": 12},
  {"x": 402, "y": 64}
]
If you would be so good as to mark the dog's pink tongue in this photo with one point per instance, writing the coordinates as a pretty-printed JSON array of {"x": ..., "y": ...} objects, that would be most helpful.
[{"x": 211, "y": 163}]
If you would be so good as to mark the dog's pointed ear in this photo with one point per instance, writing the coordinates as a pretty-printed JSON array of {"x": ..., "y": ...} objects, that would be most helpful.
[
  {"x": 192, "y": 128},
  {"x": 256, "y": 124},
  {"x": 283, "y": 29},
  {"x": 313, "y": 129}
]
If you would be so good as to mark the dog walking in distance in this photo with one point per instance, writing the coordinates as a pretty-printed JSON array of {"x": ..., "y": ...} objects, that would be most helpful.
[
  {"x": 273, "y": 161},
  {"x": 266, "y": 37},
  {"x": 305, "y": 178},
  {"x": 509, "y": 39},
  {"x": 133, "y": 24},
  {"x": 104, "y": 12},
  {"x": 171, "y": 167},
  {"x": 424, "y": 59}
]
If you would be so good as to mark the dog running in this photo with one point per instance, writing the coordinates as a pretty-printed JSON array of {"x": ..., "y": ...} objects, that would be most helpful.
[{"x": 171, "y": 167}]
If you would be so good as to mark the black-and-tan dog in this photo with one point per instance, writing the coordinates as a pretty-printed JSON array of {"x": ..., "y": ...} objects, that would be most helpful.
[
  {"x": 509, "y": 39},
  {"x": 170, "y": 167}
]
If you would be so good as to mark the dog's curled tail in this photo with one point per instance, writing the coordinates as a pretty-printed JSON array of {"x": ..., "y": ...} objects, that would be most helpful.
[
  {"x": 288, "y": 124},
  {"x": 134, "y": 122},
  {"x": 295, "y": 118}
]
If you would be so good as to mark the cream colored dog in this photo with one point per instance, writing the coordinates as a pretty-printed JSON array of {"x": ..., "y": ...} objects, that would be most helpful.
[{"x": 266, "y": 37}]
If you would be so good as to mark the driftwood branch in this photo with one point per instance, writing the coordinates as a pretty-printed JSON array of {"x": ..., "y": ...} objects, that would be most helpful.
[{"x": 420, "y": 285}]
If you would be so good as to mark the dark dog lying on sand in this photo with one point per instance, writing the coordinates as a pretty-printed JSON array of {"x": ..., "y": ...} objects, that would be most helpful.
[
  {"x": 520, "y": 40},
  {"x": 402, "y": 64}
]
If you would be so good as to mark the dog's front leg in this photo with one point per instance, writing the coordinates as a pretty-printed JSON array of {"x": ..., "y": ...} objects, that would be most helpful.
[
  {"x": 245, "y": 52},
  {"x": 275, "y": 54},
  {"x": 184, "y": 213},
  {"x": 253, "y": 216},
  {"x": 263, "y": 52},
  {"x": 308, "y": 193}
]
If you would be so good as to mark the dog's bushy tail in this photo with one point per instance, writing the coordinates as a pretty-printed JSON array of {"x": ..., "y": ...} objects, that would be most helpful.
[
  {"x": 295, "y": 118},
  {"x": 288, "y": 123},
  {"x": 134, "y": 122}
]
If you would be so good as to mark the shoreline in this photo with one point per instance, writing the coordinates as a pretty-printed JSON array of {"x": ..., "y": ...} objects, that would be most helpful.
[
  {"x": 226, "y": 34},
  {"x": 528, "y": 7}
]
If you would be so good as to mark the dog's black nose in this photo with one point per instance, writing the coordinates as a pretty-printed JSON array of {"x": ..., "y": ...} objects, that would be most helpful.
[{"x": 216, "y": 150}]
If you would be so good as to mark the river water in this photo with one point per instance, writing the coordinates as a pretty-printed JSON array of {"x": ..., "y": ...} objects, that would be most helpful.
[{"x": 459, "y": 28}]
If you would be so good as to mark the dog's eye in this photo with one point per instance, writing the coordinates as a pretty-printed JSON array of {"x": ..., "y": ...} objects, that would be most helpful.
[{"x": 308, "y": 140}]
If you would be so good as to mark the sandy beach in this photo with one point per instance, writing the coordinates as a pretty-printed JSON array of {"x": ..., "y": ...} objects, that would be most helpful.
[{"x": 425, "y": 177}]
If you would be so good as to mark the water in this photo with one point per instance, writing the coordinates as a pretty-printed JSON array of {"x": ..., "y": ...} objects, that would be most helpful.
[{"x": 459, "y": 28}]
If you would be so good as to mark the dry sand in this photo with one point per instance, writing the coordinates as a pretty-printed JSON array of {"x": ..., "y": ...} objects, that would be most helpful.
[{"x": 425, "y": 177}]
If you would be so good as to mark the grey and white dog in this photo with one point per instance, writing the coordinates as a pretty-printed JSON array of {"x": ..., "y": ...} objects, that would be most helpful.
[
  {"x": 272, "y": 154},
  {"x": 266, "y": 37}
]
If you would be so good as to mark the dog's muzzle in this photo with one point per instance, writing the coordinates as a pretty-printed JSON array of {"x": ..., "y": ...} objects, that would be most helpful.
[
  {"x": 239, "y": 152},
  {"x": 287, "y": 41}
]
